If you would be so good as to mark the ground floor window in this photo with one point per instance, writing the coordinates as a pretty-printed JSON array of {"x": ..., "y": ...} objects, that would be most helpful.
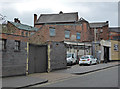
[
  {"x": 4, "y": 41},
  {"x": 17, "y": 45}
]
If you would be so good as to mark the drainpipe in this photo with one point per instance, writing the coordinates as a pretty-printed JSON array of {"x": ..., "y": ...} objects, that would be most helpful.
[{"x": 48, "y": 58}]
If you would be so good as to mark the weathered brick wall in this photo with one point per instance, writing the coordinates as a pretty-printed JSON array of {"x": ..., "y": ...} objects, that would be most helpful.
[
  {"x": 112, "y": 34},
  {"x": 14, "y": 63},
  {"x": 11, "y": 29},
  {"x": 57, "y": 56},
  {"x": 43, "y": 35},
  {"x": 13, "y": 37},
  {"x": 101, "y": 35}
]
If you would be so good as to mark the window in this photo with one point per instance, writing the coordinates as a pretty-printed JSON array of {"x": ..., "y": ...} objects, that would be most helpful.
[
  {"x": 17, "y": 45},
  {"x": 4, "y": 44},
  {"x": 31, "y": 33},
  {"x": 52, "y": 31},
  {"x": 78, "y": 36},
  {"x": 22, "y": 33},
  {"x": 26, "y": 33},
  {"x": 67, "y": 34}
]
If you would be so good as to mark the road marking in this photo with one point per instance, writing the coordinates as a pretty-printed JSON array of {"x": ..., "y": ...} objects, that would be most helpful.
[{"x": 72, "y": 77}]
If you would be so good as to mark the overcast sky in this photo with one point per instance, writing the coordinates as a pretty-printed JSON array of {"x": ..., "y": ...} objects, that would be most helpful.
[{"x": 92, "y": 11}]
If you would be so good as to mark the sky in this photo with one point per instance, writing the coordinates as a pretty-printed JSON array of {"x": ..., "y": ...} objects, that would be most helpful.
[{"x": 91, "y": 10}]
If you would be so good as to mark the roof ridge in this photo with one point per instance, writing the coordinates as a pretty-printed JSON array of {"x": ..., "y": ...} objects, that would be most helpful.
[
  {"x": 58, "y": 14},
  {"x": 97, "y": 22}
]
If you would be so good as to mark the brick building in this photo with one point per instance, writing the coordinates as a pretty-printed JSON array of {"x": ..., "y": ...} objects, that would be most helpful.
[
  {"x": 61, "y": 27},
  {"x": 114, "y": 33},
  {"x": 100, "y": 31},
  {"x": 14, "y": 37},
  {"x": 115, "y": 42}
]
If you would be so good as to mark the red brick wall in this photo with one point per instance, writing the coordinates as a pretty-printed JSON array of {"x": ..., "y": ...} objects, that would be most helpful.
[
  {"x": 112, "y": 34},
  {"x": 13, "y": 33},
  {"x": 13, "y": 37},
  {"x": 101, "y": 35},
  {"x": 43, "y": 35},
  {"x": 14, "y": 30}
]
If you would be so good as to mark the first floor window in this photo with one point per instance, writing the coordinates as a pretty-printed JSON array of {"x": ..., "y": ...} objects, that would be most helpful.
[
  {"x": 52, "y": 31},
  {"x": 17, "y": 45},
  {"x": 26, "y": 33},
  {"x": 78, "y": 36},
  {"x": 67, "y": 34},
  {"x": 22, "y": 33}
]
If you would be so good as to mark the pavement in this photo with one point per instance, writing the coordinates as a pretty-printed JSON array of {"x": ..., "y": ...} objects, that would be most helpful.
[
  {"x": 76, "y": 69},
  {"x": 40, "y": 78},
  {"x": 21, "y": 81}
]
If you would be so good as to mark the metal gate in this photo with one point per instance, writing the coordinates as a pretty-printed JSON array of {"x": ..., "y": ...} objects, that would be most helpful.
[{"x": 37, "y": 62}]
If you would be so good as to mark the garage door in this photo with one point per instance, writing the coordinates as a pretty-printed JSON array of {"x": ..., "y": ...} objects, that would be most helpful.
[{"x": 37, "y": 59}]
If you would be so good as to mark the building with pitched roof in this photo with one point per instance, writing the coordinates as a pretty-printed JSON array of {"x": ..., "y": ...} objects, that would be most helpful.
[
  {"x": 63, "y": 27},
  {"x": 100, "y": 30},
  {"x": 14, "y": 38}
]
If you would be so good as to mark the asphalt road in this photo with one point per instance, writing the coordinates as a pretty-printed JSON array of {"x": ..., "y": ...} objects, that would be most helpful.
[{"x": 103, "y": 78}]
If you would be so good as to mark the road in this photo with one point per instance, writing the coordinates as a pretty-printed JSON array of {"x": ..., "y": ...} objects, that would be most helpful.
[{"x": 103, "y": 78}]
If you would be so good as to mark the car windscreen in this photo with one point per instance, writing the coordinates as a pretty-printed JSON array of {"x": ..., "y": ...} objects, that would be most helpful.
[
  {"x": 84, "y": 57},
  {"x": 68, "y": 55}
]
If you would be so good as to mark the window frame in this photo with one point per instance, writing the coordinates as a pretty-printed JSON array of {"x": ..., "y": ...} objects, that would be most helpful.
[
  {"x": 52, "y": 32},
  {"x": 67, "y": 34},
  {"x": 4, "y": 42},
  {"x": 22, "y": 33},
  {"x": 77, "y": 35},
  {"x": 17, "y": 45},
  {"x": 26, "y": 33}
]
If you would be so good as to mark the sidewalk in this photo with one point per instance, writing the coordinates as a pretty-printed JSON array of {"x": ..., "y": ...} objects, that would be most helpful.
[
  {"x": 76, "y": 69},
  {"x": 40, "y": 78},
  {"x": 96, "y": 68},
  {"x": 22, "y": 81}
]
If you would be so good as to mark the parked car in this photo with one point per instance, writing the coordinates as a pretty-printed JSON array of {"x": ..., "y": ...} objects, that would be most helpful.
[
  {"x": 71, "y": 58},
  {"x": 87, "y": 59}
]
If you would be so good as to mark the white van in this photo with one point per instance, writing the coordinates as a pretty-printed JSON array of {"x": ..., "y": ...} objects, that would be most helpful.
[{"x": 71, "y": 58}]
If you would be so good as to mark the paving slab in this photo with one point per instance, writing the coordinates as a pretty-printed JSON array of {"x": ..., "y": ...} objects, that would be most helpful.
[{"x": 22, "y": 81}]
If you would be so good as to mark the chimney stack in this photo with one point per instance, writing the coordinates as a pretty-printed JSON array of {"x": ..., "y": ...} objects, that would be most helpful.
[
  {"x": 107, "y": 21},
  {"x": 60, "y": 12},
  {"x": 16, "y": 20},
  {"x": 35, "y": 18}
]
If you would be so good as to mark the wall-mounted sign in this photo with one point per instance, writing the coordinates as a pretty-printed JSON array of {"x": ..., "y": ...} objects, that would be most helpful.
[{"x": 116, "y": 47}]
